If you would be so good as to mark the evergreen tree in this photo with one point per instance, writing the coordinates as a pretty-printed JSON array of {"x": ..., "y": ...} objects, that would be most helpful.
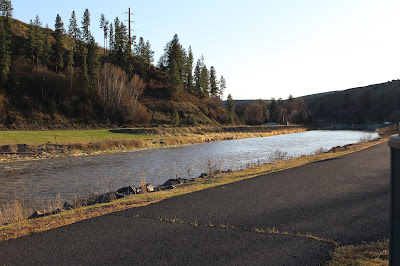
[
  {"x": 35, "y": 41},
  {"x": 59, "y": 44},
  {"x": 197, "y": 75},
  {"x": 143, "y": 50},
  {"x": 93, "y": 63},
  {"x": 70, "y": 66},
  {"x": 213, "y": 83},
  {"x": 74, "y": 30},
  {"x": 46, "y": 45},
  {"x": 272, "y": 110},
  {"x": 222, "y": 86},
  {"x": 148, "y": 54},
  {"x": 104, "y": 26},
  {"x": 111, "y": 41},
  {"x": 5, "y": 41},
  {"x": 86, "y": 26},
  {"x": 174, "y": 63},
  {"x": 189, "y": 69},
  {"x": 204, "y": 82},
  {"x": 121, "y": 45},
  {"x": 230, "y": 108},
  {"x": 84, "y": 81}
]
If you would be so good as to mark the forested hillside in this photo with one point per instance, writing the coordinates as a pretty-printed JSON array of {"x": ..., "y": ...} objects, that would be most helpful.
[
  {"x": 374, "y": 103},
  {"x": 63, "y": 78}
]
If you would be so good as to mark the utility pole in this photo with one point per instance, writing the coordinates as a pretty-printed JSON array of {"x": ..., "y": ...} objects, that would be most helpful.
[{"x": 129, "y": 30}]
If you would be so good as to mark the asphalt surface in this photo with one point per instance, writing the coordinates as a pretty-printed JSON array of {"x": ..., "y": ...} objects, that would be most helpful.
[{"x": 345, "y": 199}]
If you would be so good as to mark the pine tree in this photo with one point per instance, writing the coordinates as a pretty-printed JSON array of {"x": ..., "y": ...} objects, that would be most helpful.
[
  {"x": 222, "y": 86},
  {"x": 35, "y": 40},
  {"x": 74, "y": 31},
  {"x": 173, "y": 62},
  {"x": 84, "y": 81},
  {"x": 189, "y": 69},
  {"x": 104, "y": 26},
  {"x": 5, "y": 41},
  {"x": 204, "y": 82},
  {"x": 213, "y": 83},
  {"x": 93, "y": 63},
  {"x": 120, "y": 44},
  {"x": 46, "y": 33},
  {"x": 70, "y": 66},
  {"x": 230, "y": 108},
  {"x": 86, "y": 26},
  {"x": 197, "y": 75},
  {"x": 148, "y": 54},
  {"x": 111, "y": 41},
  {"x": 59, "y": 45}
]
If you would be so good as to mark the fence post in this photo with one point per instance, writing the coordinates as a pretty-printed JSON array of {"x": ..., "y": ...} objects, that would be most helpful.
[{"x": 394, "y": 250}]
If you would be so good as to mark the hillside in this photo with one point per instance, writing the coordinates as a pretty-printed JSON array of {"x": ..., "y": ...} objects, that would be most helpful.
[
  {"x": 373, "y": 103},
  {"x": 57, "y": 81}
]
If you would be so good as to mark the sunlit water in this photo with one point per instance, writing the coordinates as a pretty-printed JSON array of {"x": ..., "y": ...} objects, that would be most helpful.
[{"x": 77, "y": 176}]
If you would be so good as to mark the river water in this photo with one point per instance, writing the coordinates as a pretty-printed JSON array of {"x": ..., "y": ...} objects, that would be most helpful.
[{"x": 78, "y": 176}]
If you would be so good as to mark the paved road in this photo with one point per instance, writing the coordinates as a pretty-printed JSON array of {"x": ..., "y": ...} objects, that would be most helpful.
[{"x": 345, "y": 199}]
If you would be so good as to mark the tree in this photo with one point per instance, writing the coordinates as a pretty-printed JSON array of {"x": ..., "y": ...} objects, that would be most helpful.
[
  {"x": 120, "y": 46},
  {"x": 70, "y": 65},
  {"x": 254, "y": 114},
  {"x": 93, "y": 63},
  {"x": 197, "y": 76},
  {"x": 104, "y": 26},
  {"x": 143, "y": 50},
  {"x": 5, "y": 41},
  {"x": 204, "y": 82},
  {"x": 222, "y": 86},
  {"x": 84, "y": 81},
  {"x": 86, "y": 26},
  {"x": 230, "y": 108},
  {"x": 35, "y": 41},
  {"x": 118, "y": 95},
  {"x": 175, "y": 62},
  {"x": 189, "y": 69},
  {"x": 213, "y": 83},
  {"x": 74, "y": 31},
  {"x": 272, "y": 110},
  {"x": 59, "y": 44}
]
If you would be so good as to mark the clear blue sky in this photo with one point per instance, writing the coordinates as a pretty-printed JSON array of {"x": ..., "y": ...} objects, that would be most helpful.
[{"x": 264, "y": 48}]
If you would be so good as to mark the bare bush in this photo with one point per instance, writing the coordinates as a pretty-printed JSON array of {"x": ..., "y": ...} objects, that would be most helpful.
[
  {"x": 320, "y": 151},
  {"x": 278, "y": 155},
  {"x": 366, "y": 138},
  {"x": 120, "y": 95}
]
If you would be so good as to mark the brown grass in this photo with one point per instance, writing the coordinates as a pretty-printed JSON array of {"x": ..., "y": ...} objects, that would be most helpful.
[
  {"x": 22, "y": 228},
  {"x": 376, "y": 253}
]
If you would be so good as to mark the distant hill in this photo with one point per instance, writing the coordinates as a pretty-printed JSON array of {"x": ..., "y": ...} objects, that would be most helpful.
[{"x": 373, "y": 103}]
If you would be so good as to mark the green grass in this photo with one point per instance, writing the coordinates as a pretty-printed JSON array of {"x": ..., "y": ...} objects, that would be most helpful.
[{"x": 66, "y": 136}]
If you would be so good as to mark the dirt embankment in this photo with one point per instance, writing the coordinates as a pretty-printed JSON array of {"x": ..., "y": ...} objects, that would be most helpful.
[{"x": 155, "y": 138}]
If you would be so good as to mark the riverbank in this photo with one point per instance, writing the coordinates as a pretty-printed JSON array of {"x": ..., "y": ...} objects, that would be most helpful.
[
  {"x": 31, "y": 145},
  {"x": 23, "y": 227}
]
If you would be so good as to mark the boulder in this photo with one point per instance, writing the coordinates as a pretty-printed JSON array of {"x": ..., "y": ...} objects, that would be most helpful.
[
  {"x": 67, "y": 206},
  {"x": 174, "y": 182},
  {"x": 103, "y": 198},
  {"x": 35, "y": 215},
  {"x": 127, "y": 190}
]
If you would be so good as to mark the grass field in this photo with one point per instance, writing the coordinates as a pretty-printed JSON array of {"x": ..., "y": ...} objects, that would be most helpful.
[{"x": 66, "y": 136}]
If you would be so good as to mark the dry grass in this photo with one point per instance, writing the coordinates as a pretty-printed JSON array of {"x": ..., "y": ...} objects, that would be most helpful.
[
  {"x": 45, "y": 223},
  {"x": 368, "y": 254},
  {"x": 19, "y": 209}
]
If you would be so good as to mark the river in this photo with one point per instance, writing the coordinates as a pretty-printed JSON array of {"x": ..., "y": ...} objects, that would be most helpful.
[{"x": 73, "y": 177}]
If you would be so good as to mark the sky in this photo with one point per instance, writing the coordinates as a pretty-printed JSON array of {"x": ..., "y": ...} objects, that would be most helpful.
[{"x": 263, "y": 48}]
